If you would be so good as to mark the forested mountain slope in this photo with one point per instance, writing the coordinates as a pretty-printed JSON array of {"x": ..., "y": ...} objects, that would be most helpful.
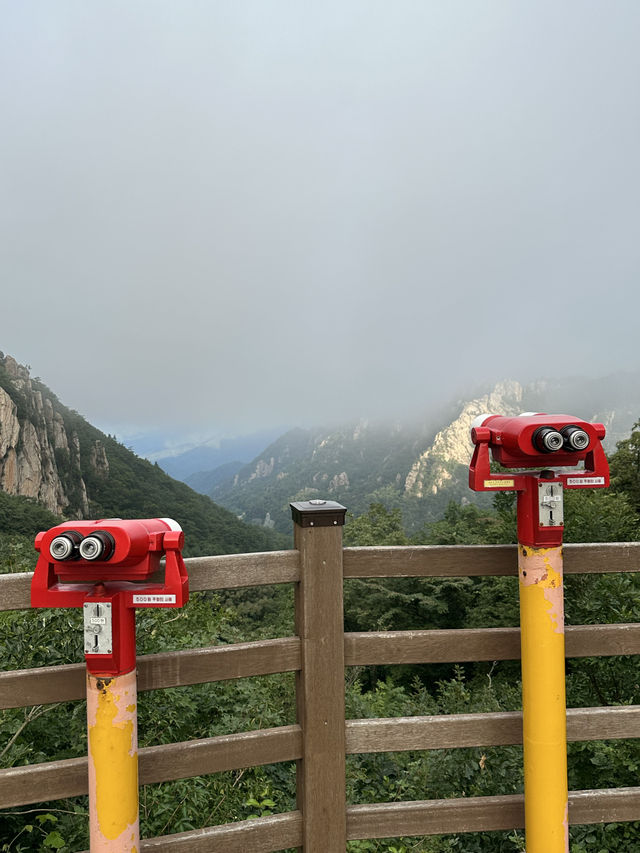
[
  {"x": 418, "y": 467},
  {"x": 52, "y": 455}
]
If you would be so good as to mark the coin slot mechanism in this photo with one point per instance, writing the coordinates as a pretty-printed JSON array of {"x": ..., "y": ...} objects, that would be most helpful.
[
  {"x": 97, "y": 628},
  {"x": 550, "y": 505}
]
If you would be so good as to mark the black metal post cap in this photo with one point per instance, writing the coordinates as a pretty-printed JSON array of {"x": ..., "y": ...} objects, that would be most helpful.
[{"x": 318, "y": 513}]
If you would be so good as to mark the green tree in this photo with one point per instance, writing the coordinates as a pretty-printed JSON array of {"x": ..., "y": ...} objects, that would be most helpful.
[
  {"x": 24, "y": 516},
  {"x": 378, "y": 526},
  {"x": 625, "y": 467},
  {"x": 599, "y": 515},
  {"x": 463, "y": 525}
]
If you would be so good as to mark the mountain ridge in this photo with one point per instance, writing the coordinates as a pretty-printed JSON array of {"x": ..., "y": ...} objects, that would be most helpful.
[
  {"x": 418, "y": 467},
  {"x": 51, "y": 454}
]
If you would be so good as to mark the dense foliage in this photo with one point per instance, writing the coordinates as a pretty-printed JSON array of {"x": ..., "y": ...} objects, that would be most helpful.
[
  {"x": 52, "y": 637},
  {"x": 23, "y": 515}
]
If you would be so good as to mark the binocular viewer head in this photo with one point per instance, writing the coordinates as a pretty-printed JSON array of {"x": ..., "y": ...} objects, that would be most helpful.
[
  {"x": 532, "y": 439},
  {"x": 110, "y": 549}
]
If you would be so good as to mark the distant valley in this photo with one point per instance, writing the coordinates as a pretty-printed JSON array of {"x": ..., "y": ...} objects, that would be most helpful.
[
  {"x": 236, "y": 492},
  {"x": 55, "y": 464}
]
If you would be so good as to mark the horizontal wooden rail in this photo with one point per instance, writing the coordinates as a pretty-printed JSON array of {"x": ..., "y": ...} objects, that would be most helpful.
[
  {"x": 388, "y": 820},
  {"x": 503, "y": 728},
  {"x": 205, "y": 573},
  {"x": 480, "y": 644},
  {"x": 43, "y": 685},
  {"x": 54, "y": 780},
  {"x": 483, "y": 814},
  {"x": 68, "y": 778},
  {"x": 276, "y": 567},
  {"x": 15, "y": 591},
  {"x": 239, "y": 570},
  {"x": 262, "y": 835},
  {"x": 481, "y": 560}
]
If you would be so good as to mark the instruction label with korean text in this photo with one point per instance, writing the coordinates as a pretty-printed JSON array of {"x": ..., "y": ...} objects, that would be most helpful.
[{"x": 154, "y": 599}]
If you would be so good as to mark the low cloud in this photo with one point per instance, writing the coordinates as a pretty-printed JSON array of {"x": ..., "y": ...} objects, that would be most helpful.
[{"x": 231, "y": 216}]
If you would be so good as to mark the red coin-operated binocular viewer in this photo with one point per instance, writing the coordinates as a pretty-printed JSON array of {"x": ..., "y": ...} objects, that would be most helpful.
[
  {"x": 534, "y": 440},
  {"x": 109, "y": 568},
  {"x": 567, "y": 452}
]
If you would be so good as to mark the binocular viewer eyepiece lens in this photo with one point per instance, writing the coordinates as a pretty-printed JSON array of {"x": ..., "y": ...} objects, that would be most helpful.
[
  {"x": 98, "y": 546},
  {"x": 65, "y": 547},
  {"x": 575, "y": 438},
  {"x": 71, "y": 546},
  {"x": 61, "y": 548},
  {"x": 570, "y": 438},
  {"x": 548, "y": 440},
  {"x": 91, "y": 548}
]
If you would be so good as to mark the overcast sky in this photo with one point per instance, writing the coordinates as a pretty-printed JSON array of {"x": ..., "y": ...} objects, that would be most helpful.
[{"x": 219, "y": 216}]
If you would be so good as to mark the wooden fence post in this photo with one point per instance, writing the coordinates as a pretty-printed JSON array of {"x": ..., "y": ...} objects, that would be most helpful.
[{"x": 320, "y": 682}]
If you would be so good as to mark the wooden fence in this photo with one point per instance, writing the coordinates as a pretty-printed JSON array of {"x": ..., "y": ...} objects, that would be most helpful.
[{"x": 321, "y": 739}]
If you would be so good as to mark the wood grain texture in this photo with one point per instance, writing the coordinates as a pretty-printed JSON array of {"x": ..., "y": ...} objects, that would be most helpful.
[
  {"x": 476, "y": 644},
  {"x": 483, "y": 814},
  {"x": 481, "y": 560},
  {"x": 239, "y": 570},
  {"x": 217, "y": 663},
  {"x": 602, "y": 640},
  {"x": 19, "y": 688},
  {"x": 601, "y": 558},
  {"x": 496, "y": 729},
  {"x": 225, "y": 752},
  {"x": 15, "y": 591},
  {"x": 321, "y": 783},
  {"x": 41, "y": 783},
  {"x": 263, "y": 835},
  {"x": 42, "y": 686},
  {"x": 438, "y": 646},
  {"x": 435, "y": 817},
  {"x": 607, "y": 805},
  {"x": 430, "y": 561},
  {"x": 54, "y": 780}
]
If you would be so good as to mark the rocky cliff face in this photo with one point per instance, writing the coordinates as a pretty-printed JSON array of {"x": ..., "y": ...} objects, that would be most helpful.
[
  {"x": 439, "y": 466},
  {"x": 40, "y": 454},
  {"x": 452, "y": 446}
]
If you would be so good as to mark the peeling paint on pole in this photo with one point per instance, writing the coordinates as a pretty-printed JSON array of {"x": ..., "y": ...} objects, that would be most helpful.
[
  {"x": 113, "y": 763},
  {"x": 540, "y": 572},
  {"x": 543, "y": 699}
]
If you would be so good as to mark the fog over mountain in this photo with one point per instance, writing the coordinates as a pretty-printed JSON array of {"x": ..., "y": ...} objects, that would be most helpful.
[
  {"x": 220, "y": 217},
  {"x": 417, "y": 466}
]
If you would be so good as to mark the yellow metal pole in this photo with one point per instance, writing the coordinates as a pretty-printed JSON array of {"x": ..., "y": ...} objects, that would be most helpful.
[
  {"x": 543, "y": 699},
  {"x": 113, "y": 763}
]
